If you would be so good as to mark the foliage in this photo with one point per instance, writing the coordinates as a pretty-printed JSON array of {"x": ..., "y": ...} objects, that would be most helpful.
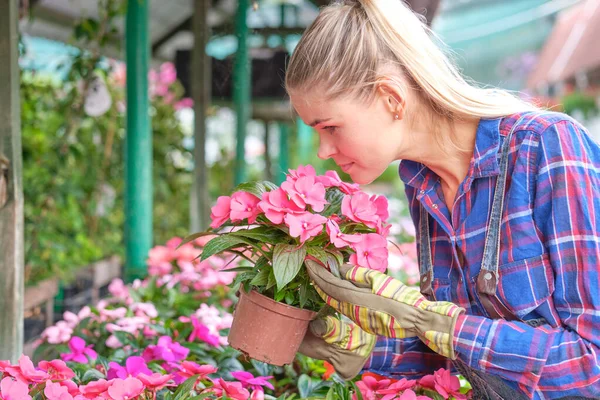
[{"x": 578, "y": 102}]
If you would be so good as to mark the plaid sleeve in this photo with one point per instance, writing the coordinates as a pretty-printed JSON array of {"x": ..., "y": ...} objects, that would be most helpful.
[
  {"x": 404, "y": 358},
  {"x": 558, "y": 361}
]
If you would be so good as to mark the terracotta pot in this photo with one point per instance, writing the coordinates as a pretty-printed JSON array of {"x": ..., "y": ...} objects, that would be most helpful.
[{"x": 266, "y": 330}]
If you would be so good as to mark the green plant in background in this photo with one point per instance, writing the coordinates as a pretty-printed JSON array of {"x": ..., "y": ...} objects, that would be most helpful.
[{"x": 578, "y": 102}]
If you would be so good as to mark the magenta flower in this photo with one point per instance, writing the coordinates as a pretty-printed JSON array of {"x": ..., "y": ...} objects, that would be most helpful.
[
  {"x": 125, "y": 389},
  {"x": 202, "y": 332},
  {"x": 14, "y": 390},
  {"x": 359, "y": 208},
  {"x": 133, "y": 367},
  {"x": 275, "y": 204},
  {"x": 219, "y": 213},
  {"x": 184, "y": 103},
  {"x": 306, "y": 191},
  {"x": 56, "y": 369},
  {"x": 338, "y": 238},
  {"x": 254, "y": 383},
  {"x": 371, "y": 252},
  {"x": 305, "y": 225},
  {"x": 257, "y": 394},
  {"x": 444, "y": 383},
  {"x": 332, "y": 179},
  {"x": 156, "y": 381},
  {"x": 244, "y": 205},
  {"x": 94, "y": 389},
  {"x": 165, "y": 350},
  {"x": 54, "y": 391}
]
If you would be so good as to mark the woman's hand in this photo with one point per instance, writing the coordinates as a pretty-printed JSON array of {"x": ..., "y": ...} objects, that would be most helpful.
[{"x": 382, "y": 305}]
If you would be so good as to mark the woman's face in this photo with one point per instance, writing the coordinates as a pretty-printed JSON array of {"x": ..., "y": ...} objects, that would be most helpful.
[{"x": 363, "y": 139}]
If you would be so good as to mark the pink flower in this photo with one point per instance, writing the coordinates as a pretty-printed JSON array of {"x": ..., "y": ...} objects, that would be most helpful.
[
  {"x": 408, "y": 394},
  {"x": 359, "y": 208},
  {"x": 396, "y": 388},
  {"x": 56, "y": 369},
  {"x": 338, "y": 238},
  {"x": 369, "y": 385},
  {"x": 133, "y": 367},
  {"x": 254, "y": 383},
  {"x": 184, "y": 103},
  {"x": 305, "y": 191},
  {"x": 26, "y": 372},
  {"x": 444, "y": 383},
  {"x": 125, "y": 389},
  {"x": 332, "y": 179},
  {"x": 302, "y": 170},
  {"x": 371, "y": 252},
  {"x": 244, "y": 205},
  {"x": 155, "y": 381},
  {"x": 59, "y": 333},
  {"x": 257, "y": 394},
  {"x": 233, "y": 390},
  {"x": 187, "y": 369},
  {"x": 79, "y": 352},
  {"x": 166, "y": 350},
  {"x": 305, "y": 225},
  {"x": 167, "y": 74},
  {"x": 220, "y": 212},
  {"x": 160, "y": 254},
  {"x": 202, "y": 332},
  {"x": 14, "y": 390},
  {"x": 118, "y": 289},
  {"x": 275, "y": 204},
  {"x": 54, "y": 391},
  {"x": 94, "y": 389}
]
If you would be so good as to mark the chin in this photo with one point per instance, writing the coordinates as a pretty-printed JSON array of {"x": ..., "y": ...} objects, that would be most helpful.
[{"x": 362, "y": 178}]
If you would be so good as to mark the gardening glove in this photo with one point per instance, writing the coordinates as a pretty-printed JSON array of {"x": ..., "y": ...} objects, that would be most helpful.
[
  {"x": 342, "y": 344},
  {"x": 382, "y": 305}
]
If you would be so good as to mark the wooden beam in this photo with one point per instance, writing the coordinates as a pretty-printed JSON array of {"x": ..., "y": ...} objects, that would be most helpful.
[
  {"x": 11, "y": 189},
  {"x": 201, "y": 94}
]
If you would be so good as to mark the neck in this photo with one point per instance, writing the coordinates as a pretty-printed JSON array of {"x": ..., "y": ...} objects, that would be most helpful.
[{"x": 447, "y": 153}]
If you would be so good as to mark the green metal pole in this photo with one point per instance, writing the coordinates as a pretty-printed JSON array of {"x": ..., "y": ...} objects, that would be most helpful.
[
  {"x": 138, "y": 143},
  {"x": 284, "y": 152},
  {"x": 305, "y": 139},
  {"x": 241, "y": 89}
]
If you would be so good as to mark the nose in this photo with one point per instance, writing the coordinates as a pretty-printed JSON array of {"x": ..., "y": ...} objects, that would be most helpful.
[{"x": 326, "y": 148}]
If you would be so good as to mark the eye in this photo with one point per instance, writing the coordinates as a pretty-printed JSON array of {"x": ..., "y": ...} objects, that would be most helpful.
[{"x": 330, "y": 129}]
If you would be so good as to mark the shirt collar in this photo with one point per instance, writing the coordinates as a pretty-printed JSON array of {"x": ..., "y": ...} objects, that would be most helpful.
[{"x": 483, "y": 163}]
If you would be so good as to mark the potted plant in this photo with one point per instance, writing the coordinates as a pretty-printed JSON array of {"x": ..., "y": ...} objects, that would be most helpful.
[{"x": 274, "y": 230}]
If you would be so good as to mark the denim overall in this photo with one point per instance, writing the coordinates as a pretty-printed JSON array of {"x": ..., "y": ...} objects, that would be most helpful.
[{"x": 485, "y": 386}]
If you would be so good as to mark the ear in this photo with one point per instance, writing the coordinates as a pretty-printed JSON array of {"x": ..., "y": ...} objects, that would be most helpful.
[{"x": 393, "y": 96}]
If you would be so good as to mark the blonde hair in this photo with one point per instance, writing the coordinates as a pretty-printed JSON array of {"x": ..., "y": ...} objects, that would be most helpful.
[{"x": 351, "y": 43}]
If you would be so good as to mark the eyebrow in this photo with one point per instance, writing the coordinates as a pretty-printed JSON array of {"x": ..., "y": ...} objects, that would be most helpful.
[{"x": 318, "y": 121}]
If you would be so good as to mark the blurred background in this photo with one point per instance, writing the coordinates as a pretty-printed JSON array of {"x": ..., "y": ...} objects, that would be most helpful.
[{"x": 103, "y": 182}]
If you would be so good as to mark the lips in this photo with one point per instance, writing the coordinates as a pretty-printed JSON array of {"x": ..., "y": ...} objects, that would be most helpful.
[{"x": 346, "y": 167}]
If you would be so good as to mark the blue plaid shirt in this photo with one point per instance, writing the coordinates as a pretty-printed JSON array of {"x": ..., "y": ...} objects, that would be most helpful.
[{"x": 549, "y": 260}]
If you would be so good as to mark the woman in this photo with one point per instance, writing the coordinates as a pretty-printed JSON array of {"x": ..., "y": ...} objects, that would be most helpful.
[{"x": 504, "y": 197}]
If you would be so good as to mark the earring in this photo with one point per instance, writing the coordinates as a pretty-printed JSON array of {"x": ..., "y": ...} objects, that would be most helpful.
[{"x": 396, "y": 116}]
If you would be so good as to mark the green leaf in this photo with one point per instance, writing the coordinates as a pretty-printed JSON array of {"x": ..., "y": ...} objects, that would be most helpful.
[
  {"x": 334, "y": 197},
  {"x": 262, "y": 278},
  {"x": 257, "y": 188},
  {"x": 303, "y": 295},
  {"x": 263, "y": 234},
  {"x": 185, "y": 388},
  {"x": 356, "y": 391},
  {"x": 239, "y": 269},
  {"x": 317, "y": 253},
  {"x": 193, "y": 237},
  {"x": 92, "y": 375},
  {"x": 220, "y": 244},
  {"x": 333, "y": 264},
  {"x": 304, "y": 385},
  {"x": 272, "y": 281},
  {"x": 287, "y": 260},
  {"x": 244, "y": 277}
]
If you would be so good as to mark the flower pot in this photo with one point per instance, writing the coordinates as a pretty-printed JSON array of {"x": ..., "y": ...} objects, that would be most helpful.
[{"x": 266, "y": 330}]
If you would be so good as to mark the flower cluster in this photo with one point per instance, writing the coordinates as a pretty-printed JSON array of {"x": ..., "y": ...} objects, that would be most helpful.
[
  {"x": 439, "y": 384},
  {"x": 303, "y": 207},
  {"x": 134, "y": 380}
]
